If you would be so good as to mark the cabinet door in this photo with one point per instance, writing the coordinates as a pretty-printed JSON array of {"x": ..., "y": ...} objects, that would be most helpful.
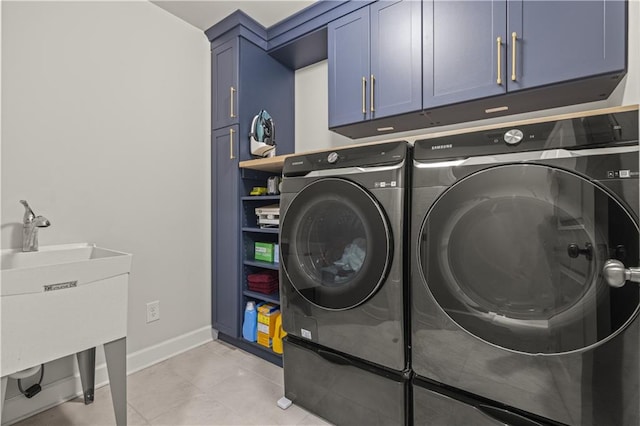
[
  {"x": 463, "y": 58},
  {"x": 564, "y": 40},
  {"x": 225, "y": 210},
  {"x": 396, "y": 58},
  {"x": 348, "y": 57},
  {"x": 224, "y": 84}
]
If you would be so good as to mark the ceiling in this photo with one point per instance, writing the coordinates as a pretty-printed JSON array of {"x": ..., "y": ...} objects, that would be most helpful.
[{"x": 205, "y": 13}]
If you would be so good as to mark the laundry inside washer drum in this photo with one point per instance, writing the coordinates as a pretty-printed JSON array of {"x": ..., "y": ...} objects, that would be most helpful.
[{"x": 335, "y": 244}]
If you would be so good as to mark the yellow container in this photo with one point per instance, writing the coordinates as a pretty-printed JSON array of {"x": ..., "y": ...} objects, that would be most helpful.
[
  {"x": 264, "y": 339},
  {"x": 267, "y": 322}
]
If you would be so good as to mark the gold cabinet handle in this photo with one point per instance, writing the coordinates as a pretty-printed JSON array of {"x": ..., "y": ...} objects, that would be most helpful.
[
  {"x": 499, "y": 49},
  {"x": 364, "y": 93},
  {"x": 514, "y": 37},
  {"x": 373, "y": 82},
  {"x": 231, "y": 108},
  {"x": 231, "y": 156}
]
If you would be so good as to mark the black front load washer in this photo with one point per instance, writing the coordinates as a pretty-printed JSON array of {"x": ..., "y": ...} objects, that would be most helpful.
[
  {"x": 513, "y": 292},
  {"x": 342, "y": 251}
]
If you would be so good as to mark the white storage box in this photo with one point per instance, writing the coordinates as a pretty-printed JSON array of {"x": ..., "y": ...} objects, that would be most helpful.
[{"x": 268, "y": 216}]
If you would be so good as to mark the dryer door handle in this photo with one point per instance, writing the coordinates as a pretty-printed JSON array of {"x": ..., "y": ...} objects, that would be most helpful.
[
  {"x": 333, "y": 357},
  {"x": 507, "y": 417},
  {"x": 617, "y": 275}
]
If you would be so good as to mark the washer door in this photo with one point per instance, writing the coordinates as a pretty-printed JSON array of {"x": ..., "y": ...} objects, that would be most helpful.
[
  {"x": 513, "y": 254},
  {"x": 335, "y": 244}
]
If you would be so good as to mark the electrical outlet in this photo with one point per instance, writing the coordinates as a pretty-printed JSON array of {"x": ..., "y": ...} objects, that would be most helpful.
[{"x": 153, "y": 311}]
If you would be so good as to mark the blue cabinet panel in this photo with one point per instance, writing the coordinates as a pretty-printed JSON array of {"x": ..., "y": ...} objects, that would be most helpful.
[
  {"x": 225, "y": 226},
  {"x": 374, "y": 60},
  {"x": 348, "y": 57},
  {"x": 224, "y": 84},
  {"x": 462, "y": 41},
  {"x": 557, "y": 41},
  {"x": 396, "y": 68}
]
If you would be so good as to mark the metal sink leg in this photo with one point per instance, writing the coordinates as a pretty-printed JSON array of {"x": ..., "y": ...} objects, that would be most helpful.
[
  {"x": 116, "y": 355},
  {"x": 87, "y": 367},
  {"x": 3, "y": 391}
]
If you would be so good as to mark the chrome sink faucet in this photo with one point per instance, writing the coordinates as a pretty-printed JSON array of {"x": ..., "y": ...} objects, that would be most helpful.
[{"x": 30, "y": 225}]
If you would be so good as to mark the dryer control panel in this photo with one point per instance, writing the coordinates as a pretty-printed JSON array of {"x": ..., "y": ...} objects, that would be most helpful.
[{"x": 585, "y": 132}]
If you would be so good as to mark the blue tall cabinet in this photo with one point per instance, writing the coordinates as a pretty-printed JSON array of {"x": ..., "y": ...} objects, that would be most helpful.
[
  {"x": 244, "y": 80},
  {"x": 476, "y": 49},
  {"x": 374, "y": 57}
]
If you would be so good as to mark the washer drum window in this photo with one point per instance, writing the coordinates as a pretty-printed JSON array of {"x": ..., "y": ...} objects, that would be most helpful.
[
  {"x": 513, "y": 254},
  {"x": 336, "y": 244}
]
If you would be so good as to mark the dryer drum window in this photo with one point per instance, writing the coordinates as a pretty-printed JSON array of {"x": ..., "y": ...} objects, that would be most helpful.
[
  {"x": 335, "y": 243},
  {"x": 513, "y": 254}
]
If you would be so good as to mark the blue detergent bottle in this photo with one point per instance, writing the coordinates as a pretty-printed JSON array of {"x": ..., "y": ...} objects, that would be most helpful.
[{"x": 250, "y": 324}]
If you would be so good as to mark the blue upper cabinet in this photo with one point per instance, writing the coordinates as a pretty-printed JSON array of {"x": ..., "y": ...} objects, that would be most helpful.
[
  {"x": 348, "y": 50},
  {"x": 375, "y": 62},
  {"x": 396, "y": 58},
  {"x": 224, "y": 84},
  {"x": 480, "y": 49},
  {"x": 556, "y": 41},
  {"x": 463, "y": 50}
]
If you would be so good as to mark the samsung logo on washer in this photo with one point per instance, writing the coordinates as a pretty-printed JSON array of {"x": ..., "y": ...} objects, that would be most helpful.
[{"x": 445, "y": 146}]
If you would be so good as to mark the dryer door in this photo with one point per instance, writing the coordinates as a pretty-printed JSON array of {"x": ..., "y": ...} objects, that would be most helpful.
[
  {"x": 336, "y": 244},
  {"x": 513, "y": 254}
]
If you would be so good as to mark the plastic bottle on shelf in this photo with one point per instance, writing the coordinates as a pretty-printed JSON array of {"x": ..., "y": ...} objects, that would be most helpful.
[{"x": 250, "y": 324}]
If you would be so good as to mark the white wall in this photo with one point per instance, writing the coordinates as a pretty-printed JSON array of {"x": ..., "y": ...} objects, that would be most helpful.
[
  {"x": 105, "y": 131},
  {"x": 312, "y": 101},
  {"x": 312, "y": 110}
]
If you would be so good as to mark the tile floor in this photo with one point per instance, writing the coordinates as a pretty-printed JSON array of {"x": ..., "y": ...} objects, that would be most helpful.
[{"x": 213, "y": 384}]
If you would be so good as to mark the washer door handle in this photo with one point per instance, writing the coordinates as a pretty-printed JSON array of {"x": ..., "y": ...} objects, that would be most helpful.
[{"x": 617, "y": 275}]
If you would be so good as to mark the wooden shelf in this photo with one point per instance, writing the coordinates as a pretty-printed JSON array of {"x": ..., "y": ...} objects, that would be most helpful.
[{"x": 272, "y": 164}]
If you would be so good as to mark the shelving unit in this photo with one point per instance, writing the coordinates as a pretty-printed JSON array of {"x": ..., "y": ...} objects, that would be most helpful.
[
  {"x": 244, "y": 79},
  {"x": 252, "y": 233}
]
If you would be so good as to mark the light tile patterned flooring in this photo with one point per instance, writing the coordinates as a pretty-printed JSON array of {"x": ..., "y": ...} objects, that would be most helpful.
[{"x": 213, "y": 384}]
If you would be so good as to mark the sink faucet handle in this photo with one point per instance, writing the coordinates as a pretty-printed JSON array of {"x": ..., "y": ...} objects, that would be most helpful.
[{"x": 28, "y": 213}]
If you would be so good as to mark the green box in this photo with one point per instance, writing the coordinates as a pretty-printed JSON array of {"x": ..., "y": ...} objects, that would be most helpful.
[{"x": 264, "y": 252}]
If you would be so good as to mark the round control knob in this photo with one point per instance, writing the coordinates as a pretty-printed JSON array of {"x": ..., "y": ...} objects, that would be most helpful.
[
  {"x": 333, "y": 157},
  {"x": 513, "y": 136}
]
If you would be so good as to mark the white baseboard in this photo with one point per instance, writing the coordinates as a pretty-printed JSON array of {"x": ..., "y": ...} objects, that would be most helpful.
[{"x": 19, "y": 407}]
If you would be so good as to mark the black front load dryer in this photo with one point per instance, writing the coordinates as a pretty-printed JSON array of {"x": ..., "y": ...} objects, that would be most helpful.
[
  {"x": 342, "y": 251},
  {"x": 518, "y": 294}
]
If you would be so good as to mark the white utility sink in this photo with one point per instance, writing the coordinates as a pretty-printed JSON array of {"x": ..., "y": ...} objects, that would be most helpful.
[{"x": 60, "y": 300}]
